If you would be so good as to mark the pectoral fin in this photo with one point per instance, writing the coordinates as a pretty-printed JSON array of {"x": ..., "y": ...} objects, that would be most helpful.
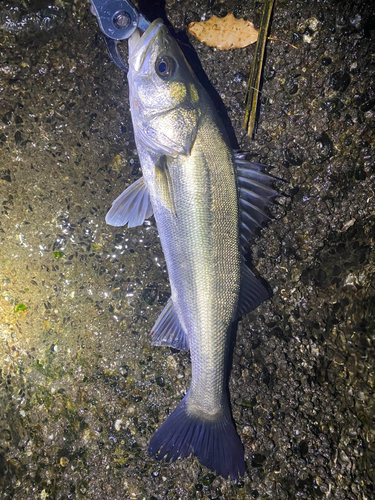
[
  {"x": 132, "y": 207},
  {"x": 164, "y": 186}
]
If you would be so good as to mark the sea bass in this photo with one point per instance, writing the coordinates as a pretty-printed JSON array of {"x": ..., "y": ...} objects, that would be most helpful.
[{"x": 206, "y": 202}]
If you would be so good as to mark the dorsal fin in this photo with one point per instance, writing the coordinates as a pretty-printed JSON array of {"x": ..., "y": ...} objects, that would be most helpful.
[
  {"x": 252, "y": 293},
  {"x": 254, "y": 193},
  {"x": 132, "y": 207}
]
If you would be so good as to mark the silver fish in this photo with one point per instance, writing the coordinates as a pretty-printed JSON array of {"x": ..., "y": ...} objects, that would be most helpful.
[{"x": 206, "y": 202}]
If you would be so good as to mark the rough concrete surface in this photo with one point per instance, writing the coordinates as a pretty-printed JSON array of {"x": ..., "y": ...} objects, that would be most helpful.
[{"x": 81, "y": 388}]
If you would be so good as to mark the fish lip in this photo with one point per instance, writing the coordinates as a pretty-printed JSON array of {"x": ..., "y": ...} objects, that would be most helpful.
[{"x": 138, "y": 46}]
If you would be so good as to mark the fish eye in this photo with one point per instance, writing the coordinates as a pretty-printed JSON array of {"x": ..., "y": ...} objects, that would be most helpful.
[{"x": 165, "y": 67}]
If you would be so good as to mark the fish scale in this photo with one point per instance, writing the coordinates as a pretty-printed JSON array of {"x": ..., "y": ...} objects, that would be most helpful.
[
  {"x": 190, "y": 184},
  {"x": 199, "y": 290}
]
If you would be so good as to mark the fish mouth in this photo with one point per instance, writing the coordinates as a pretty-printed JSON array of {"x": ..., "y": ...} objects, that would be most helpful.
[{"x": 138, "y": 45}]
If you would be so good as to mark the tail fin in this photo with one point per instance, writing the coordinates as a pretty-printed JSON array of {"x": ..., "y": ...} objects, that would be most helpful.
[{"x": 215, "y": 444}]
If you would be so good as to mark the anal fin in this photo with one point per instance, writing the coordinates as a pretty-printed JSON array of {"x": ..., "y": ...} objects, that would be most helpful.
[{"x": 168, "y": 331}]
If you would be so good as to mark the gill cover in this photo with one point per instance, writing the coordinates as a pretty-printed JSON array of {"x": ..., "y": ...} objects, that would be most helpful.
[{"x": 164, "y": 94}]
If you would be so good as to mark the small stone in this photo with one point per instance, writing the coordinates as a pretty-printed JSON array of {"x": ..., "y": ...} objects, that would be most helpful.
[{"x": 64, "y": 461}]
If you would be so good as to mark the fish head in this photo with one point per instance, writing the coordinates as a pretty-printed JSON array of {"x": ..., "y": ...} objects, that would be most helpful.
[{"x": 164, "y": 93}]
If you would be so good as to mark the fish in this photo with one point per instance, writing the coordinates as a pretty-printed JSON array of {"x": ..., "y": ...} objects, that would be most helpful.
[{"x": 207, "y": 201}]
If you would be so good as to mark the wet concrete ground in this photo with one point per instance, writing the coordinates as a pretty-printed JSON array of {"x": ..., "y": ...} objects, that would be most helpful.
[{"x": 81, "y": 388}]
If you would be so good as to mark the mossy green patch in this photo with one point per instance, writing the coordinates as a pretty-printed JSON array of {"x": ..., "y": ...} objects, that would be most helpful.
[{"x": 20, "y": 307}]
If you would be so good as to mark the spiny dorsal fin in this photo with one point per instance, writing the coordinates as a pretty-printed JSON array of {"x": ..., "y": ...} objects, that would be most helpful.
[
  {"x": 168, "y": 331},
  {"x": 132, "y": 207},
  {"x": 254, "y": 194}
]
